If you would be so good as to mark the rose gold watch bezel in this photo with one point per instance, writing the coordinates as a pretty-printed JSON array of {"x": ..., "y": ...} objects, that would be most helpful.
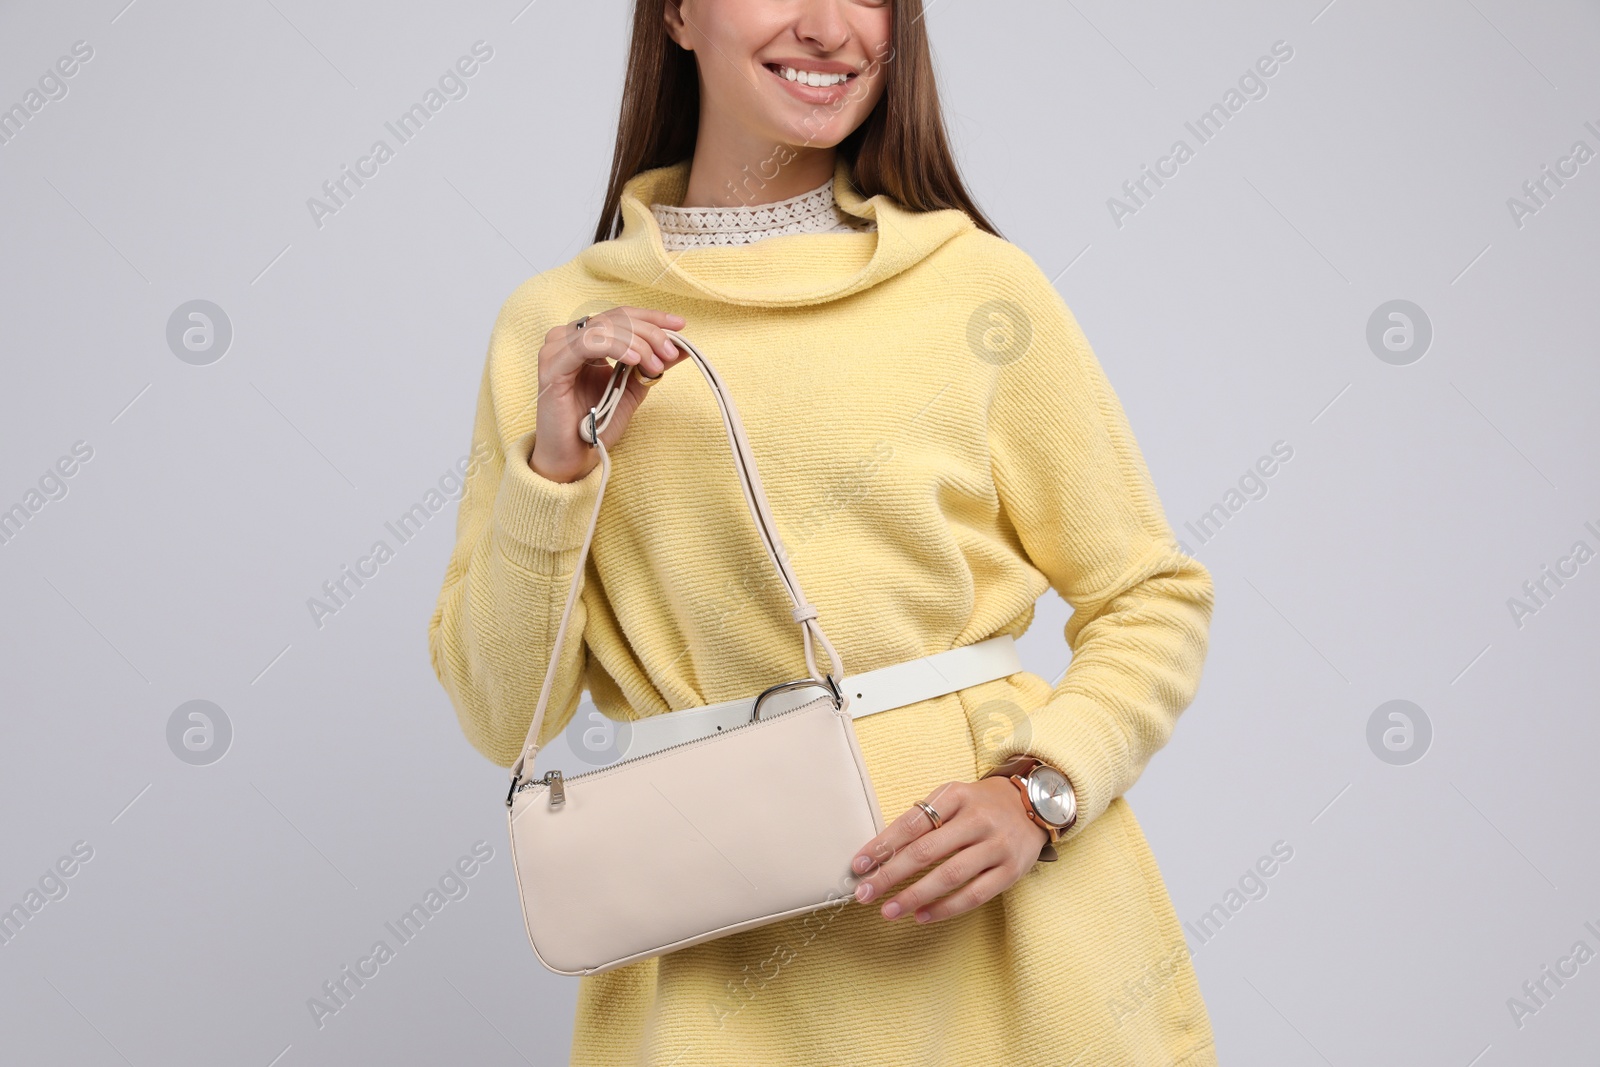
[{"x": 1055, "y": 831}]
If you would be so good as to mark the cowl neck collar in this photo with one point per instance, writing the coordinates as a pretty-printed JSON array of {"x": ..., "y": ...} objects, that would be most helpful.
[{"x": 790, "y": 270}]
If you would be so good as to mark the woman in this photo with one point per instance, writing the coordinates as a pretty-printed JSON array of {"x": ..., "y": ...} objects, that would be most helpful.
[{"x": 939, "y": 445}]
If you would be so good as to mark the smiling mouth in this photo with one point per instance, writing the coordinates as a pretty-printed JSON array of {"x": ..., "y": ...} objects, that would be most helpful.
[{"x": 802, "y": 77}]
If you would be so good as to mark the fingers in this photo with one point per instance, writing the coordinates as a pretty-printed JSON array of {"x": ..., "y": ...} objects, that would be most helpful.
[
  {"x": 627, "y": 334},
  {"x": 946, "y": 800},
  {"x": 949, "y": 844},
  {"x": 911, "y": 842},
  {"x": 980, "y": 890},
  {"x": 646, "y": 329},
  {"x": 967, "y": 856},
  {"x": 983, "y": 843},
  {"x": 664, "y": 319}
]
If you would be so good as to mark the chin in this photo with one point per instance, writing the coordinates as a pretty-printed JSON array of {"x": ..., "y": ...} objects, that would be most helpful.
[{"x": 795, "y": 131}]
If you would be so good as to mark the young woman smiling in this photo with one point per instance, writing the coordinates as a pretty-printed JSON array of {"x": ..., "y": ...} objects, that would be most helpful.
[{"x": 940, "y": 445}]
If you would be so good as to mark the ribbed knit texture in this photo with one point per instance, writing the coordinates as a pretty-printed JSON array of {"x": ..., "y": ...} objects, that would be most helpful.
[{"x": 939, "y": 445}]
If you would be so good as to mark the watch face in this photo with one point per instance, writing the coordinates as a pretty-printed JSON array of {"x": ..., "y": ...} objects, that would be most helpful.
[{"x": 1052, "y": 796}]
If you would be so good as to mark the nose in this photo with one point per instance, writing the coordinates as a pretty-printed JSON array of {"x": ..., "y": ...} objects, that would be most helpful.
[{"x": 821, "y": 24}]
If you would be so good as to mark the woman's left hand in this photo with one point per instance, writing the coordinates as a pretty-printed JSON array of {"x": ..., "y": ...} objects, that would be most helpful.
[{"x": 989, "y": 839}]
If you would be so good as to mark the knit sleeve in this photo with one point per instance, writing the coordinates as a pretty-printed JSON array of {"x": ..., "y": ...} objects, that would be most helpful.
[
  {"x": 1074, "y": 487},
  {"x": 518, "y": 536}
]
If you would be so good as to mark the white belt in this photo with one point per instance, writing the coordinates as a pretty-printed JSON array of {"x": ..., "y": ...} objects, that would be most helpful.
[{"x": 869, "y": 692}]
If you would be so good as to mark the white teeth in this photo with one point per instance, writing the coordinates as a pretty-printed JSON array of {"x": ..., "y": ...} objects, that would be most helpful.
[{"x": 812, "y": 77}]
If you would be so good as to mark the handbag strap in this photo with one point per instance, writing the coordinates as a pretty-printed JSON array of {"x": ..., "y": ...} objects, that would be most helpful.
[{"x": 589, "y": 429}]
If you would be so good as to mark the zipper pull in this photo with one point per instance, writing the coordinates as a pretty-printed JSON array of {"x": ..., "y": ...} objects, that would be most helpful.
[{"x": 558, "y": 794}]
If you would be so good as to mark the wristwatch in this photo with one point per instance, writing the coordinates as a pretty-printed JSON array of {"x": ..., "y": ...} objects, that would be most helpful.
[{"x": 1047, "y": 797}]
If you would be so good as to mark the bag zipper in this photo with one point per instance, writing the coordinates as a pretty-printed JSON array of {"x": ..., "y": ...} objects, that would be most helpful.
[{"x": 556, "y": 781}]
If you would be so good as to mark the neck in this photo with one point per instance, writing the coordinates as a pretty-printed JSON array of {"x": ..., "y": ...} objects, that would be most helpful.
[{"x": 733, "y": 170}]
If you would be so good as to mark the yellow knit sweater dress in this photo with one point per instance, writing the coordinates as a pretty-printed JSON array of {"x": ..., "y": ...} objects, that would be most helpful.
[{"x": 939, "y": 445}]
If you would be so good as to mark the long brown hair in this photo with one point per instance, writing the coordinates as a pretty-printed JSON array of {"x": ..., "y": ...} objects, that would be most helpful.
[{"x": 900, "y": 149}]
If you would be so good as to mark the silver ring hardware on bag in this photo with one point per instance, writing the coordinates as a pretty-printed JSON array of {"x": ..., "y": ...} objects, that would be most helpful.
[{"x": 830, "y": 685}]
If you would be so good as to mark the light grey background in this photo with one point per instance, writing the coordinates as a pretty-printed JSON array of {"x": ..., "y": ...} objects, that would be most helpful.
[{"x": 1230, "y": 313}]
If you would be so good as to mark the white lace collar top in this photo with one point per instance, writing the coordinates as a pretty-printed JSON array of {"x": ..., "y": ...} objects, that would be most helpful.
[{"x": 815, "y": 211}]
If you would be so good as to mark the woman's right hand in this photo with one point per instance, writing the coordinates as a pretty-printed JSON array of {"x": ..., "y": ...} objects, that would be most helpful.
[{"x": 573, "y": 372}]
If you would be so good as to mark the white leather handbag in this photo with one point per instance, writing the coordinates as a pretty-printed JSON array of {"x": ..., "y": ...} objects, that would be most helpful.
[{"x": 734, "y": 830}]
